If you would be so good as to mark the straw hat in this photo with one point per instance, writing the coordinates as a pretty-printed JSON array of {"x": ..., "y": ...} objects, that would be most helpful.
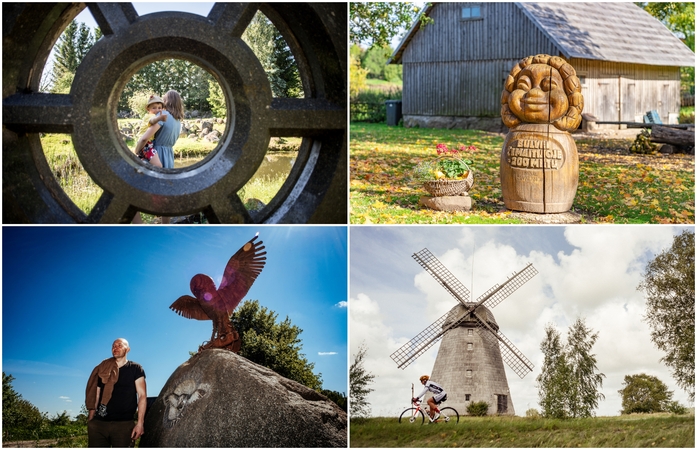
[{"x": 154, "y": 99}]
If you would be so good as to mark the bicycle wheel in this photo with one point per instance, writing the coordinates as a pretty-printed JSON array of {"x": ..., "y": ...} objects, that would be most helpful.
[
  {"x": 409, "y": 417},
  {"x": 449, "y": 415}
]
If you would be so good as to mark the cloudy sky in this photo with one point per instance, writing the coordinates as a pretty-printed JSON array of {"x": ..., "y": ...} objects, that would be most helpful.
[
  {"x": 68, "y": 292},
  {"x": 584, "y": 271}
]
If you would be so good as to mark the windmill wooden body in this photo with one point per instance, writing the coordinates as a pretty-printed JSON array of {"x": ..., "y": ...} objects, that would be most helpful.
[{"x": 469, "y": 364}]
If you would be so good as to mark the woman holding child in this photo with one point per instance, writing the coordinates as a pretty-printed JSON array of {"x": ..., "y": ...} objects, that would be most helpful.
[
  {"x": 161, "y": 135},
  {"x": 165, "y": 132}
]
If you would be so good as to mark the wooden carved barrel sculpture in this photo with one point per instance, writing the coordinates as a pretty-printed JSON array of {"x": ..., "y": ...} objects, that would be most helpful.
[{"x": 540, "y": 104}]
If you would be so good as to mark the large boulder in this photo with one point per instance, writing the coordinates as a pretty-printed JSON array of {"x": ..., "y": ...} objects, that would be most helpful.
[{"x": 220, "y": 399}]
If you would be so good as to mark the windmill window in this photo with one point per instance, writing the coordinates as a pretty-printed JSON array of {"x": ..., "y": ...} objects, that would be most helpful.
[
  {"x": 470, "y": 346},
  {"x": 468, "y": 374},
  {"x": 469, "y": 332},
  {"x": 471, "y": 12},
  {"x": 502, "y": 404},
  {"x": 467, "y": 397}
]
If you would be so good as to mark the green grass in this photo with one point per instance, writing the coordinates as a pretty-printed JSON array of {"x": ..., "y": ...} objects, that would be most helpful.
[
  {"x": 614, "y": 185},
  {"x": 68, "y": 171},
  {"x": 622, "y": 431}
]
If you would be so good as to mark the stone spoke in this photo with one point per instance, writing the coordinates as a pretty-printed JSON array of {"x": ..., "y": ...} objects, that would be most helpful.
[
  {"x": 38, "y": 112},
  {"x": 111, "y": 209},
  {"x": 113, "y": 18},
  {"x": 228, "y": 210},
  {"x": 233, "y": 18},
  {"x": 304, "y": 117}
]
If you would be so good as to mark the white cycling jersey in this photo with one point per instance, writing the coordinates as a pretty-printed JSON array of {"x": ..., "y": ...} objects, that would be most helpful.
[{"x": 435, "y": 388}]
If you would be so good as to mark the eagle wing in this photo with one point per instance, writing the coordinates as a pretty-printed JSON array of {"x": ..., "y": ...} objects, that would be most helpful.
[
  {"x": 240, "y": 273},
  {"x": 189, "y": 307}
]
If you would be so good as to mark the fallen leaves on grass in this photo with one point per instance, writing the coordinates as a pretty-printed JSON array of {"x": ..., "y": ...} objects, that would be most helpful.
[{"x": 614, "y": 186}]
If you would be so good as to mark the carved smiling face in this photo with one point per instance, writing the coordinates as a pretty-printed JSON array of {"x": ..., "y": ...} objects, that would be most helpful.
[{"x": 539, "y": 95}]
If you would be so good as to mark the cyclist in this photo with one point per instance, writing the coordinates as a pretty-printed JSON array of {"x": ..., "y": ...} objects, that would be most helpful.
[{"x": 439, "y": 395}]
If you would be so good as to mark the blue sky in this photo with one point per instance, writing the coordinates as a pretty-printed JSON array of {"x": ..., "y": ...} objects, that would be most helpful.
[
  {"x": 68, "y": 292},
  {"x": 588, "y": 271}
]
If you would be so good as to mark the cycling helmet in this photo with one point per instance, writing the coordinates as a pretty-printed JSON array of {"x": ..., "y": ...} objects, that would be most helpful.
[{"x": 423, "y": 378}]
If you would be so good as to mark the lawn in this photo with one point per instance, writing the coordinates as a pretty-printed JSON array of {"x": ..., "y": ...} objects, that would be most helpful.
[
  {"x": 636, "y": 430},
  {"x": 615, "y": 186}
]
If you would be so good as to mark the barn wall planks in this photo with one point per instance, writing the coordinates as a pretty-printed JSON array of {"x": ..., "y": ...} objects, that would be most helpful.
[{"x": 457, "y": 67}]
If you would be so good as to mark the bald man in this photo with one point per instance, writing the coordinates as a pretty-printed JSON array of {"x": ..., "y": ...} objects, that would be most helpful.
[{"x": 115, "y": 391}]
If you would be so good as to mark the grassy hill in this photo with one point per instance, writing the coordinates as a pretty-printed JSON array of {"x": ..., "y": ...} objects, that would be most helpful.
[{"x": 640, "y": 430}]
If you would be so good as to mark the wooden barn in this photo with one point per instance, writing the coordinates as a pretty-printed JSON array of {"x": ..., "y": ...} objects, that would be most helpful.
[{"x": 454, "y": 69}]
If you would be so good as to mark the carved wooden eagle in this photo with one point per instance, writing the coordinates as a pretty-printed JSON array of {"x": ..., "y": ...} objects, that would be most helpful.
[{"x": 217, "y": 305}]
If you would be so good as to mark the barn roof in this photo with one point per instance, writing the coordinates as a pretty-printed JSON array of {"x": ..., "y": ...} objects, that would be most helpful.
[{"x": 617, "y": 32}]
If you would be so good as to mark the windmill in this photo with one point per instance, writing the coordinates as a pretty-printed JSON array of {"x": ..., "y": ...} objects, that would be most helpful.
[{"x": 470, "y": 359}]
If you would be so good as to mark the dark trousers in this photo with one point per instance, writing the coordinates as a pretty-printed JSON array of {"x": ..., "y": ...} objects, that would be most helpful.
[{"x": 101, "y": 433}]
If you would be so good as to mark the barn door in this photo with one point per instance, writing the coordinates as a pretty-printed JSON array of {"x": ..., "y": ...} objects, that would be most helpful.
[
  {"x": 627, "y": 99},
  {"x": 501, "y": 404},
  {"x": 609, "y": 101}
]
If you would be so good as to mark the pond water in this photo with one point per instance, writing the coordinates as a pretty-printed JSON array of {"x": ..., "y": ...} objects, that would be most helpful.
[{"x": 275, "y": 164}]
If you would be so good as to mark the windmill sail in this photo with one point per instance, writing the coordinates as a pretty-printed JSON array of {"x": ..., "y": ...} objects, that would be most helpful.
[
  {"x": 513, "y": 357},
  {"x": 497, "y": 293},
  {"x": 442, "y": 275},
  {"x": 418, "y": 345}
]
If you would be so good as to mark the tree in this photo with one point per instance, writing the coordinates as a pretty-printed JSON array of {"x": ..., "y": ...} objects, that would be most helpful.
[
  {"x": 273, "y": 345},
  {"x": 585, "y": 381},
  {"x": 553, "y": 379},
  {"x": 679, "y": 17},
  {"x": 216, "y": 99},
  {"x": 18, "y": 413},
  {"x": 259, "y": 35},
  {"x": 376, "y": 23},
  {"x": 185, "y": 77},
  {"x": 71, "y": 48},
  {"x": 337, "y": 397},
  {"x": 569, "y": 383},
  {"x": 285, "y": 79},
  {"x": 644, "y": 394},
  {"x": 669, "y": 287},
  {"x": 374, "y": 60},
  {"x": 359, "y": 379}
]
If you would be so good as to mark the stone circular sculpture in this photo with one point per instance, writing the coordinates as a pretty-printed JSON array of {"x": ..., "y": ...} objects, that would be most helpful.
[
  {"x": 541, "y": 102},
  {"x": 315, "y": 190}
]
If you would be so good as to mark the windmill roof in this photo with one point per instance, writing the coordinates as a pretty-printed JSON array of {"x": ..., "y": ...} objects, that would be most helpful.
[{"x": 618, "y": 32}]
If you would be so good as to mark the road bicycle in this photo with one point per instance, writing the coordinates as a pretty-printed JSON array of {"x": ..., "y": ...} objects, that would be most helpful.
[{"x": 418, "y": 413}]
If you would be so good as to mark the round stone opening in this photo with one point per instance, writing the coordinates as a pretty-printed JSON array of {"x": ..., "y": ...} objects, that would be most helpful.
[{"x": 144, "y": 100}]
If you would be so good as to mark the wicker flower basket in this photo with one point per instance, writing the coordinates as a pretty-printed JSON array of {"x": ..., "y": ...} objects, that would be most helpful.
[{"x": 442, "y": 188}]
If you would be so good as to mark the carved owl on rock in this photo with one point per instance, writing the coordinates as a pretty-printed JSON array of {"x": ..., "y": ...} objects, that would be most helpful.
[{"x": 217, "y": 304}]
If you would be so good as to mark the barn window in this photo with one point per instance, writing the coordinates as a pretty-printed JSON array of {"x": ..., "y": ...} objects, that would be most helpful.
[
  {"x": 470, "y": 346},
  {"x": 471, "y": 12},
  {"x": 582, "y": 80}
]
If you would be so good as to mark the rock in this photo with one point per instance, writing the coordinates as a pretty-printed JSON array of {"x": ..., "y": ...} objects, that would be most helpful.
[
  {"x": 192, "y": 136},
  {"x": 667, "y": 149},
  {"x": 219, "y": 121},
  {"x": 205, "y": 131},
  {"x": 212, "y": 137},
  {"x": 448, "y": 203},
  {"x": 220, "y": 399},
  {"x": 195, "y": 113},
  {"x": 207, "y": 124}
]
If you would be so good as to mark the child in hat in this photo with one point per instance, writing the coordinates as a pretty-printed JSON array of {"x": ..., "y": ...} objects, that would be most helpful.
[{"x": 154, "y": 108}]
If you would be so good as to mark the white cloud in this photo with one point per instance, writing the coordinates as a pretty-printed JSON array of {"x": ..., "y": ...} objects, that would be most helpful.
[
  {"x": 342, "y": 304},
  {"x": 327, "y": 353}
]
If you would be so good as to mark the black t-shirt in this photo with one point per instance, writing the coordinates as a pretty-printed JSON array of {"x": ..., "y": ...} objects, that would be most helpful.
[{"x": 124, "y": 399}]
